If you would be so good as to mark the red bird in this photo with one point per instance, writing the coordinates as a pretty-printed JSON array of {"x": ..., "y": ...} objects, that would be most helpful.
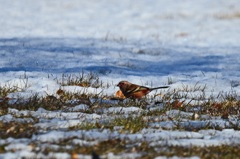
[{"x": 135, "y": 91}]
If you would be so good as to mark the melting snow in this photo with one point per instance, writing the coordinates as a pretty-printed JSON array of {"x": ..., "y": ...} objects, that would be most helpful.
[{"x": 189, "y": 44}]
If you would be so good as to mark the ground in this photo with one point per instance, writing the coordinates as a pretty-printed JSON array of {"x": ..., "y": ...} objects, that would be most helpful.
[{"x": 61, "y": 61}]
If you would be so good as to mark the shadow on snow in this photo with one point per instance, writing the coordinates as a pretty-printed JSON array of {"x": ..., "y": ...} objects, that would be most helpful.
[{"x": 104, "y": 57}]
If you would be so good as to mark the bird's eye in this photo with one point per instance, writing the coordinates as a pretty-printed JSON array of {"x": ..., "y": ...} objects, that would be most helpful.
[{"x": 120, "y": 84}]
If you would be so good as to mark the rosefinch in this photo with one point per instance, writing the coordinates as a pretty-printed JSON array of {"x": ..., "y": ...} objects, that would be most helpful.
[{"x": 134, "y": 91}]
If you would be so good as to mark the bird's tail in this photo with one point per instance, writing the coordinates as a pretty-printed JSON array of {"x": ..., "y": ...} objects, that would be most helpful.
[{"x": 162, "y": 87}]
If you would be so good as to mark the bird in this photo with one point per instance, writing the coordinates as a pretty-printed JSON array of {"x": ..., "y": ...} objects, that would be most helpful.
[
  {"x": 120, "y": 95},
  {"x": 134, "y": 91}
]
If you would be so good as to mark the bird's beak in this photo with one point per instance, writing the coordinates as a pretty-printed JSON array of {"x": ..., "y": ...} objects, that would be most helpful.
[{"x": 118, "y": 85}]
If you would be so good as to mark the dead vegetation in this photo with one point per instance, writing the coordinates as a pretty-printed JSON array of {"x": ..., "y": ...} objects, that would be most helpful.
[{"x": 186, "y": 99}]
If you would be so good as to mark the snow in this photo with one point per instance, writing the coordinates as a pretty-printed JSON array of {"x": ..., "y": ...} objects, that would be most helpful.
[
  {"x": 123, "y": 110},
  {"x": 192, "y": 44}
]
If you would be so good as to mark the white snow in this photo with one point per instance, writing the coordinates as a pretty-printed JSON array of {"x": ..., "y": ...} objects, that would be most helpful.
[{"x": 189, "y": 44}]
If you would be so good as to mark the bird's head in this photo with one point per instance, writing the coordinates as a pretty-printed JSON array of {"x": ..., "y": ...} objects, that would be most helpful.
[{"x": 123, "y": 84}]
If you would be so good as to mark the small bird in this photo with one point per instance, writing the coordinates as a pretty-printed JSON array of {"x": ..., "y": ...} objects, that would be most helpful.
[{"x": 135, "y": 91}]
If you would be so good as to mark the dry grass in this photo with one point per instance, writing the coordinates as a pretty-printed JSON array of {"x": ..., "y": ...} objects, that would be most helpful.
[
  {"x": 225, "y": 105},
  {"x": 81, "y": 79},
  {"x": 16, "y": 130},
  {"x": 227, "y": 16}
]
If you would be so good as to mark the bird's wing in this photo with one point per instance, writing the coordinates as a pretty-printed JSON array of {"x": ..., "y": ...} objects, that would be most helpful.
[{"x": 136, "y": 88}]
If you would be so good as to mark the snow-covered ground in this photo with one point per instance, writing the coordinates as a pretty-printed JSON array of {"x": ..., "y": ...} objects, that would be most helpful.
[{"x": 151, "y": 43}]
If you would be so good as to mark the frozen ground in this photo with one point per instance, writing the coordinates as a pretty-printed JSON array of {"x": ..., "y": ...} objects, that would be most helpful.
[{"x": 186, "y": 44}]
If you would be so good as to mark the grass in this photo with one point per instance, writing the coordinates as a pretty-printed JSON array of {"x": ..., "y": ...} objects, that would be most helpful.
[
  {"x": 227, "y": 16},
  {"x": 117, "y": 146},
  {"x": 132, "y": 124},
  {"x": 185, "y": 99},
  {"x": 17, "y": 130},
  {"x": 81, "y": 79},
  {"x": 5, "y": 90}
]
